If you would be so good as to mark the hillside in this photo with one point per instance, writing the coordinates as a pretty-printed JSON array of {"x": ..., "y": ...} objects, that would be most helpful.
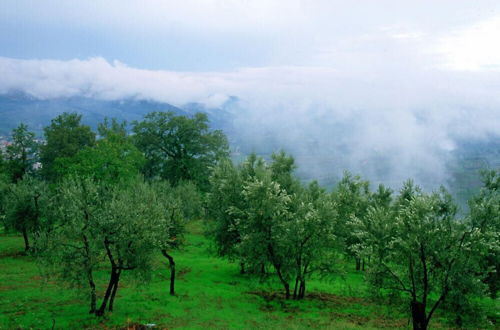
[
  {"x": 16, "y": 108},
  {"x": 210, "y": 294}
]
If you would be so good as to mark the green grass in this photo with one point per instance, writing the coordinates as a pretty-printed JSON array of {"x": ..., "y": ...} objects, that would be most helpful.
[{"x": 210, "y": 294}]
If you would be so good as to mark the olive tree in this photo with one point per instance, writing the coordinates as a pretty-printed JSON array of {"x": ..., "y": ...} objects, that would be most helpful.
[
  {"x": 190, "y": 199},
  {"x": 225, "y": 192},
  {"x": 484, "y": 214},
  {"x": 174, "y": 202},
  {"x": 376, "y": 225},
  {"x": 419, "y": 251},
  {"x": 131, "y": 229},
  {"x": 72, "y": 250},
  {"x": 282, "y": 167},
  {"x": 123, "y": 225},
  {"x": 310, "y": 233},
  {"x": 289, "y": 229},
  {"x": 25, "y": 203},
  {"x": 262, "y": 224},
  {"x": 352, "y": 198}
]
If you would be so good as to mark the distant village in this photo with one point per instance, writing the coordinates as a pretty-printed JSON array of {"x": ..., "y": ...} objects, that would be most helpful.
[{"x": 5, "y": 141}]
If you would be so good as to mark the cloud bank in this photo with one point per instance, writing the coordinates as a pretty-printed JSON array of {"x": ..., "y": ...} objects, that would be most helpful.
[{"x": 387, "y": 127}]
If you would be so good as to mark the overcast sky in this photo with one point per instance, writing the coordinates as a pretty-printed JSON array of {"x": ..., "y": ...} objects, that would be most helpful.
[
  {"x": 222, "y": 35},
  {"x": 408, "y": 78}
]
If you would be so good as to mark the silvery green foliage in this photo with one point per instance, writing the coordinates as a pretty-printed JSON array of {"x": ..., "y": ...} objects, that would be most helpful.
[
  {"x": 132, "y": 225},
  {"x": 290, "y": 229},
  {"x": 420, "y": 250},
  {"x": 262, "y": 223},
  {"x": 171, "y": 205},
  {"x": 484, "y": 214},
  {"x": 124, "y": 226},
  {"x": 26, "y": 203},
  {"x": 72, "y": 249},
  {"x": 225, "y": 193},
  {"x": 373, "y": 232},
  {"x": 374, "y": 227},
  {"x": 190, "y": 201},
  {"x": 311, "y": 235},
  {"x": 352, "y": 198}
]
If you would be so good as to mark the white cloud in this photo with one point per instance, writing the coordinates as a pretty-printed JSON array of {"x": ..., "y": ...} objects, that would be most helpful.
[
  {"x": 473, "y": 48},
  {"x": 439, "y": 95},
  {"x": 409, "y": 115}
]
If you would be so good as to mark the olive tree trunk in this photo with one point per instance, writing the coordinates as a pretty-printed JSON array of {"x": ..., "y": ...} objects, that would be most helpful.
[
  {"x": 418, "y": 316},
  {"x": 172, "y": 271}
]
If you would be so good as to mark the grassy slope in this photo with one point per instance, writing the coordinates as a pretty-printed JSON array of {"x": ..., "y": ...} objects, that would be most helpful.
[{"x": 210, "y": 294}]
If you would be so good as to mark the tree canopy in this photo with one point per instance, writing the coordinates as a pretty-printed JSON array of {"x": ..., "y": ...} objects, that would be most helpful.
[
  {"x": 179, "y": 148},
  {"x": 64, "y": 138},
  {"x": 112, "y": 159},
  {"x": 22, "y": 154}
]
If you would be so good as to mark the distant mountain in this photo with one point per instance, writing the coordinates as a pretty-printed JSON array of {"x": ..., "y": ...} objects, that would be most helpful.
[{"x": 16, "y": 108}]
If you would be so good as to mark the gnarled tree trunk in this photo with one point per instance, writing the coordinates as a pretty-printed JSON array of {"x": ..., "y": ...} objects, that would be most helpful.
[
  {"x": 26, "y": 240},
  {"x": 93, "y": 299},
  {"x": 296, "y": 288},
  {"x": 418, "y": 316},
  {"x": 302, "y": 289},
  {"x": 113, "y": 280},
  {"x": 172, "y": 271},
  {"x": 113, "y": 293}
]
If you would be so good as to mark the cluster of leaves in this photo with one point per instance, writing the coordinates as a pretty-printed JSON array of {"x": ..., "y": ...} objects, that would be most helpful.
[
  {"x": 485, "y": 215},
  {"x": 179, "y": 148},
  {"x": 64, "y": 138}
]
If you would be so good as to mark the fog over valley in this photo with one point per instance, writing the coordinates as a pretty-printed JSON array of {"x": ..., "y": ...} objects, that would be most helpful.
[
  {"x": 386, "y": 94},
  {"x": 388, "y": 129}
]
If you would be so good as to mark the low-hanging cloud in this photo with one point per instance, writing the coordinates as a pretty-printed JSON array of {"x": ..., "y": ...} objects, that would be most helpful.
[{"x": 385, "y": 126}]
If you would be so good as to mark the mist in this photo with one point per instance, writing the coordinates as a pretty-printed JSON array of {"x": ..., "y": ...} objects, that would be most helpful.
[{"x": 385, "y": 127}]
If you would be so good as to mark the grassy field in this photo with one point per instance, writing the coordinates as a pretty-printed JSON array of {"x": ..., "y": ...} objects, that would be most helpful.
[{"x": 210, "y": 294}]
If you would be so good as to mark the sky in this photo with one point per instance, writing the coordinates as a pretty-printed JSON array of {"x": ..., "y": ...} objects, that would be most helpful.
[
  {"x": 224, "y": 35},
  {"x": 406, "y": 78}
]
